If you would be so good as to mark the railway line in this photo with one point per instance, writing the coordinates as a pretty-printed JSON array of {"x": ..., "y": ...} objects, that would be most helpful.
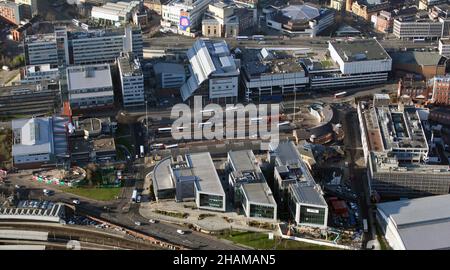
[{"x": 60, "y": 237}]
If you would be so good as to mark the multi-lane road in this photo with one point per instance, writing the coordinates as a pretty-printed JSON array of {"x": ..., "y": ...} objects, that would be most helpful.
[{"x": 122, "y": 212}]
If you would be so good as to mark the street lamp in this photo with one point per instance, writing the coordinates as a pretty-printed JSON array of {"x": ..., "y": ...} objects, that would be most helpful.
[{"x": 146, "y": 118}]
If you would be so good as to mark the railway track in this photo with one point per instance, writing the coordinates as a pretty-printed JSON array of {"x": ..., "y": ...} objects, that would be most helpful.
[{"x": 89, "y": 238}]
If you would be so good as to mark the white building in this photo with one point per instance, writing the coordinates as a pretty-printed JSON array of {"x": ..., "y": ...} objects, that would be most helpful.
[
  {"x": 38, "y": 141},
  {"x": 306, "y": 20},
  {"x": 81, "y": 48},
  {"x": 41, "y": 49},
  {"x": 248, "y": 186},
  {"x": 427, "y": 29},
  {"x": 100, "y": 46},
  {"x": 296, "y": 187},
  {"x": 132, "y": 80},
  {"x": 90, "y": 86},
  {"x": 169, "y": 75},
  {"x": 38, "y": 73},
  {"x": 360, "y": 56},
  {"x": 185, "y": 15},
  {"x": 351, "y": 63},
  {"x": 119, "y": 12},
  {"x": 444, "y": 47},
  {"x": 214, "y": 72},
  {"x": 418, "y": 224}
]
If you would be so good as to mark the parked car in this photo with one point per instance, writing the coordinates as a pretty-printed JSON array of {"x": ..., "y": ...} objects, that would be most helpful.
[
  {"x": 152, "y": 221},
  {"x": 76, "y": 201},
  {"x": 180, "y": 232},
  {"x": 137, "y": 223}
]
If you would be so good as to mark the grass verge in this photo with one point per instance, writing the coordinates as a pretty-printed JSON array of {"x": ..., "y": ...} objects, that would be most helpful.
[
  {"x": 99, "y": 194},
  {"x": 262, "y": 241}
]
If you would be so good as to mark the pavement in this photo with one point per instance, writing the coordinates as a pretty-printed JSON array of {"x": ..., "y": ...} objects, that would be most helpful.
[
  {"x": 214, "y": 223},
  {"x": 121, "y": 212}
]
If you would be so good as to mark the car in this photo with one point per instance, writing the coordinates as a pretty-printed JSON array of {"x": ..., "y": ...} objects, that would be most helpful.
[
  {"x": 152, "y": 221},
  {"x": 137, "y": 223},
  {"x": 180, "y": 232},
  {"x": 17, "y": 186},
  {"x": 76, "y": 201},
  {"x": 138, "y": 199}
]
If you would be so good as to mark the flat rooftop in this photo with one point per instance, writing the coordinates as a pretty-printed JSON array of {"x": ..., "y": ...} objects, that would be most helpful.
[
  {"x": 89, "y": 77},
  {"x": 169, "y": 68},
  {"x": 208, "y": 179},
  {"x": 308, "y": 193},
  {"x": 359, "y": 50},
  {"x": 259, "y": 193},
  {"x": 116, "y": 9},
  {"x": 104, "y": 145},
  {"x": 40, "y": 38},
  {"x": 422, "y": 223},
  {"x": 265, "y": 61},
  {"x": 129, "y": 65},
  {"x": 386, "y": 164},
  {"x": 246, "y": 167},
  {"x": 32, "y": 136},
  {"x": 395, "y": 128},
  {"x": 41, "y": 68},
  {"x": 162, "y": 179}
]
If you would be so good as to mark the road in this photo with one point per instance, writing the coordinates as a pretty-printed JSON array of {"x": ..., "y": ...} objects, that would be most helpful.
[
  {"x": 178, "y": 42},
  {"x": 121, "y": 212}
]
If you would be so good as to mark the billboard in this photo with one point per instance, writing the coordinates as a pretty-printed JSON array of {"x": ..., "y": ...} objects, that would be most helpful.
[{"x": 185, "y": 22}]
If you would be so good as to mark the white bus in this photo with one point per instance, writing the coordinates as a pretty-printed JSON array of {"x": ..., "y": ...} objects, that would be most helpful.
[
  {"x": 242, "y": 38},
  {"x": 157, "y": 146},
  {"x": 257, "y": 120},
  {"x": 171, "y": 146},
  {"x": 340, "y": 95},
  {"x": 258, "y": 37},
  {"x": 134, "y": 196},
  {"x": 165, "y": 130},
  {"x": 141, "y": 150},
  {"x": 204, "y": 124}
]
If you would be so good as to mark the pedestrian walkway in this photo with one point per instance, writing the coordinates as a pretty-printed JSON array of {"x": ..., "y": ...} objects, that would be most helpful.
[{"x": 206, "y": 220}]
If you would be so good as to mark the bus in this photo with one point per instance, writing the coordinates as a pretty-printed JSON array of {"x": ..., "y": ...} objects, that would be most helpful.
[
  {"x": 418, "y": 40},
  {"x": 164, "y": 132},
  {"x": 242, "y": 38},
  {"x": 365, "y": 225},
  {"x": 171, "y": 146},
  {"x": 134, "y": 196},
  {"x": 204, "y": 124},
  {"x": 258, "y": 37},
  {"x": 340, "y": 95},
  {"x": 157, "y": 146},
  {"x": 283, "y": 123},
  {"x": 257, "y": 120}
]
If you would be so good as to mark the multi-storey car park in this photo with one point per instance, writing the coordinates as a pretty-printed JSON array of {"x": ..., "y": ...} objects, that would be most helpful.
[
  {"x": 274, "y": 73},
  {"x": 396, "y": 151}
]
